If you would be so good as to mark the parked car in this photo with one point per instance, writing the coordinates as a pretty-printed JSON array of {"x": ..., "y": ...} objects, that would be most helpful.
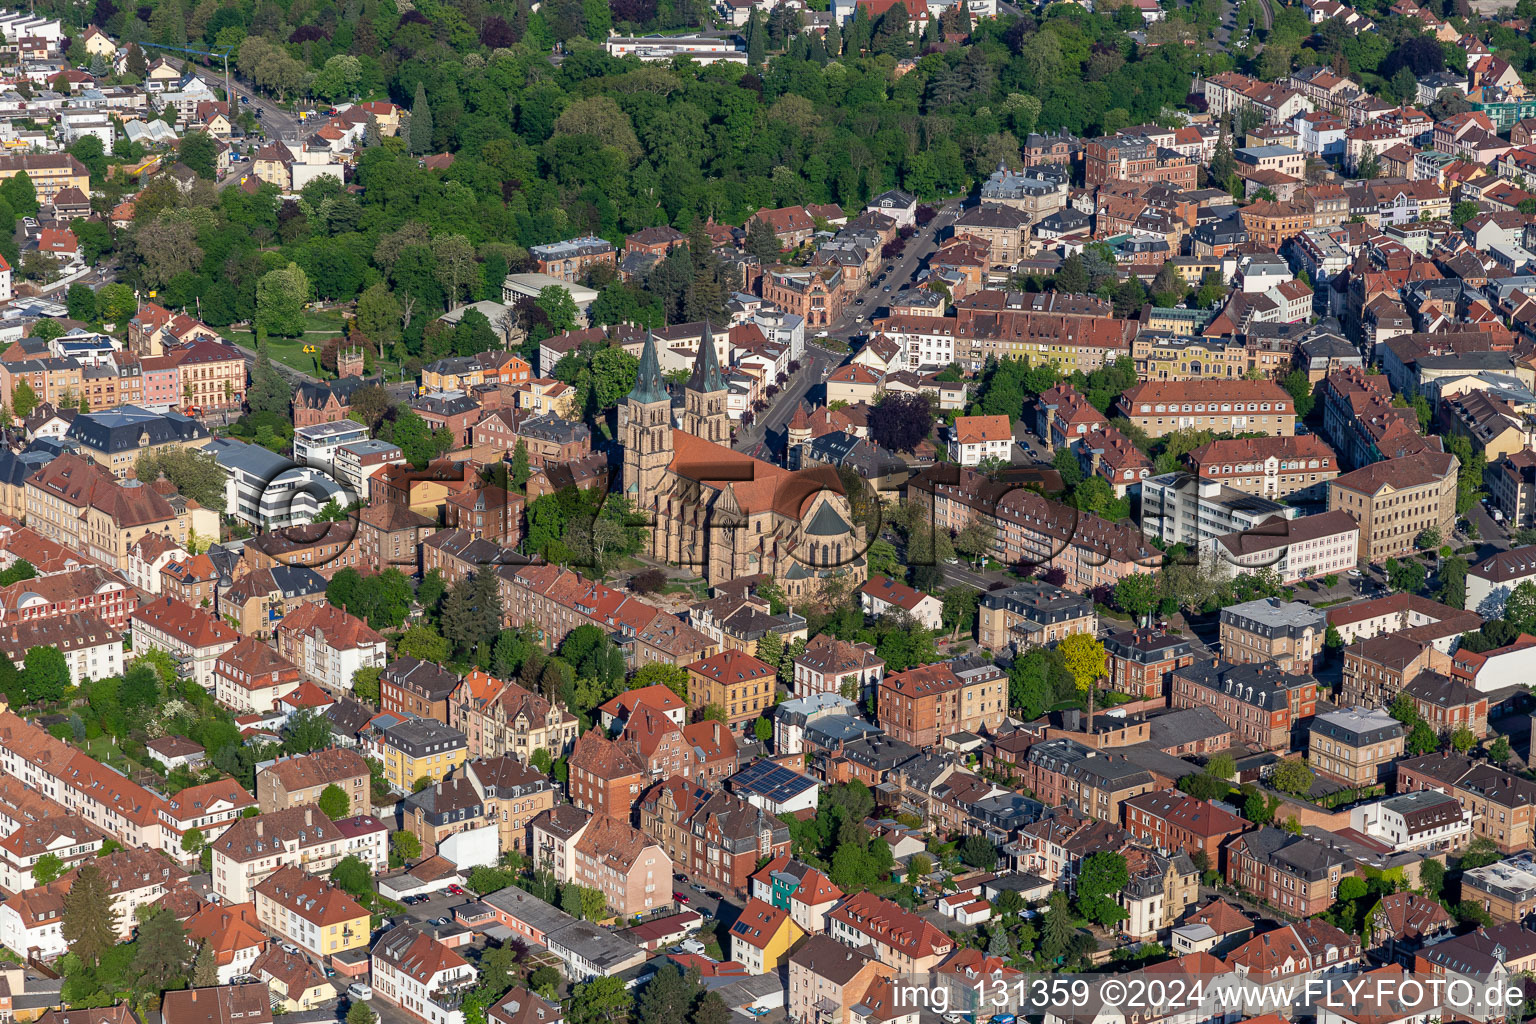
[
  {"x": 360, "y": 991},
  {"x": 438, "y": 922},
  {"x": 714, "y": 895},
  {"x": 1356, "y": 573},
  {"x": 457, "y": 890},
  {"x": 680, "y": 897},
  {"x": 696, "y": 887}
]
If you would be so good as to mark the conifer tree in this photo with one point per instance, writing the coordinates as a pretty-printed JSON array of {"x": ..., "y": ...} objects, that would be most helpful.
[
  {"x": 89, "y": 923},
  {"x": 421, "y": 122}
]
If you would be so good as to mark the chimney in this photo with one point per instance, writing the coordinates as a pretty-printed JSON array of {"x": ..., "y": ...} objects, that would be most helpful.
[
  {"x": 194, "y": 995},
  {"x": 717, "y": 732},
  {"x": 260, "y": 828},
  {"x": 309, "y": 816}
]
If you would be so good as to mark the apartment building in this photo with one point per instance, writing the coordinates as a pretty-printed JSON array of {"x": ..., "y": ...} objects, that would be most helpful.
[
  {"x": 1240, "y": 406},
  {"x": 828, "y": 978},
  {"x": 1171, "y": 821},
  {"x": 1502, "y": 805},
  {"x": 193, "y": 637},
  {"x": 606, "y": 776},
  {"x": 1031, "y": 615},
  {"x": 297, "y": 780},
  {"x": 252, "y": 849},
  {"x": 1141, "y": 661},
  {"x": 1288, "y": 634},
  {"x": 418, "y": 748},
  {"x": 1396, "y": 500},
  {"x": 1356, "y": 746},
  {"x": 897, "y": 938},
  {"x": 1094, "y": 783},
  {"x": 554, "y": 834},
  {"x": 79, "y": 505},
  {"x": 91, "y": 648},
  {"x": 498, "y": 717},
  {"x": 421, "y": 975},
  {"x": 1297, "y": 873},
  {"x": 1259, "y": 702},
  {"x": 328, "y": 644},
  {"x": 925, "y": 704},
  {"x": 829, "y": 665},
  {"x": 1378, "y": 669},
  {"x": 1270, "y": 467},
  {"x": 250, "y": 677},
  {"x": 513, "y": 793},
  {"x": 733, "y": 681},
  {"x": 715, "y": 837},
  {"x": 1027, "y": 528},
  {"x": 631, "y": 870},
  {"x": 1506, "y": 889},
  {"x": 311, "y": 913},
  {"x": 1490, "y": 581}
]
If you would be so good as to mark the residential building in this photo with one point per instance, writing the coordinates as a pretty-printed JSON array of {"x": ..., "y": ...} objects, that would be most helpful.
[
  {"x": 1287, "y": 634},
  {"x": 500, "y": 718},
  {"x": 414, "y": 688},
  {"x": 925, "y": 704},
  {"x": 1423, "y": 821},
  {"x": 1170, "y": 821},
  {"x": 977, "y": 439},
  {"x": 328, "y": 644},
  {"x": 419, "y": 748},
  {"x": 829, "y": 665},
  {"x": 1270, "y": 467},
  {"x": 1030, "y": 615},
  {"x": 1241, "y": 406},
  {"x": 761, "y": 937},
  {"x": 554, "y": 834},
  {"x": 1397, "y": 500},
  {"x": 631, "y": 870},
  {"x": 733, "y": 681},
  {"x": 1141, "y": 662},
  {"x": 1506, "y": 889},
  {"x": 828, "y": 978},
  {"x": 881, "y": 596},
  {"x": 299, "y": 780},
  {"x": 1490, "y": 581},
  {"x": 311, "y": 913},
  {"x": 194, "y": 638},
  {"x": 1261, "y": 703},
  {"x": 1299, "y": 874},
  {"x": 250, "y": 677},
  {"x": 251, "y": 849},
  {"x": 716, "y": 838},
  {"x": 1180, "y": 508},
  {"x": 1064, "y": 773},
  {"x": 1502, "y": 805},
  {"x": 898, "y": 938},
  {"x": 222, "y": 1004},
  {"x": 605, "y": 776},
  {"x": 1356, "y": 746},
  {"x": 233, "y": 935},
  {"x": 421, "y": 975}
]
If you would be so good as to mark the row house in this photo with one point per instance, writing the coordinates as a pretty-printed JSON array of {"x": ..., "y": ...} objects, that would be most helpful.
[
  {"x": 298, "y": 780},
  {"x": 76, "y": 503},
  {"x": 252, "y": 849},
  {"x": 250, "y": 677},
  {"x": 328, "y": 644},
  {"x": 501, "y": 717},
  {"x": 554, "y": 601},
  {"x": 716, "y": 838},
  {"x": 630, "y": 869},
  {"x": 1064, "y": 773},
  {"x": 1171, "y": 821},
  {"x": 1299, "y": 874},
  {"x": 194, "y": 638},
  {"x": 1027, "y": 529},
  {"x": 924, "y": 705},
  {"x": 311, "y": 913},
  {"x": 1258, "y": 701},
  {"x": 1502, "y": 805},
  {"x": 88, "y": 590},
  {"x": 900, "y": 939}
]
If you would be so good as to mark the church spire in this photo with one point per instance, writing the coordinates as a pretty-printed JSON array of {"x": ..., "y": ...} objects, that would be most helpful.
[
  {"x": 706, "y": 367},
  {"x": 649, "y": 387}
]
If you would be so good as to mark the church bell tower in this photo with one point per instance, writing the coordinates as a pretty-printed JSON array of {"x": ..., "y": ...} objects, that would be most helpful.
[
  {"x": 704, "y": 413},
  {"x": 647, "y": 429}
]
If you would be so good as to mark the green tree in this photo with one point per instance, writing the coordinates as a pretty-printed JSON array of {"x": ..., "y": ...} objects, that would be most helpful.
[
  {"x": 1137, "y": 593},
  {"x": 365, "y": 684},
  {"x": 23, "y": 400},
  {"x": 1056, "y": 929},
  {"x": 268, "y": 393},
  {"x": 192, "y": 841},
  {"x": 1292, "y": 776},
  {"x": 89, "y": 922},
  {"x": 353, "y": 876},
  {"x": 1103, "y": 875},
  {"x": 406, "y": 844},
  {"x": 198, "y": 151},
  {"x": 1432, "y": 877},
  {"x": 205, "y": 968},
  {"x": 979, "y": 852},
  {"x": 1222, "y": 766},
  {"x": 558, "y": 307},
  {"x": 45, "y": 677},
  {"x": 418, "y": 441},
  {"x": 334, "y": 802},
  {"x": 280, "y": 298},
  {"x": 1480, "y": 852},
  {"x": 47, "y": 868},
  {"x": 306, "y": 732},
  {"x": 424, "y": 642},
  {"x": 1498, "y": 751},
  {"x": 361, "y": 1013},
  {"x": 1462, "y": 739}
]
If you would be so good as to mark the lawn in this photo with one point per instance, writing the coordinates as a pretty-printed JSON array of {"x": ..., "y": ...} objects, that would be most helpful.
[
  {"x": 108, "y": 753},
  {"x": 319, "y": 326}
]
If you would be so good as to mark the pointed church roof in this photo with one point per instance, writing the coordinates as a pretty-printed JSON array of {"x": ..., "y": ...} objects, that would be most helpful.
[
  {"x": 649, "y": 387},
  {"x": 706, "y": 366},
  {"x": 827, "y": 523},
  {"x": 802, "y": 419}
]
